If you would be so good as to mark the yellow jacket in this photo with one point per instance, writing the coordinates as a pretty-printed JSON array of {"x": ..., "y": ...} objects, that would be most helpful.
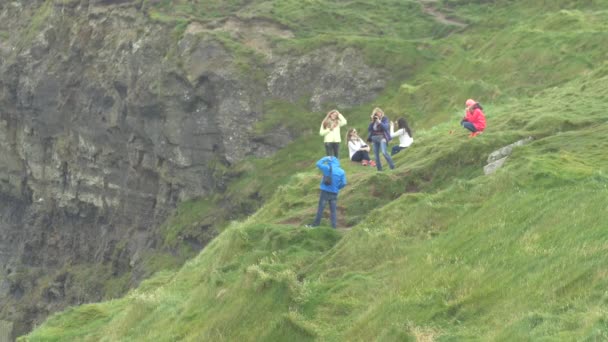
[{"x": 333, "y": 134}]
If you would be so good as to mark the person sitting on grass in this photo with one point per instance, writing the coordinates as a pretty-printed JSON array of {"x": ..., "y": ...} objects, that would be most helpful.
[
  {"x": 358, "y": 150},
  {"x": 404, "y": 133},
  {"x": 474, "y": 120},
  {"x": 334, "y": 179}
]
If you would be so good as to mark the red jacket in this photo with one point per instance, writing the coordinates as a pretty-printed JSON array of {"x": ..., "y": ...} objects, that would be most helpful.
[{"x": 477, "y": 118}]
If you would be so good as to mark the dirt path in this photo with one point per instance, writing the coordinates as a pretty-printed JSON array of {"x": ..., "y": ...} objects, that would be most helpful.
[{"x": 429, "y": 8}]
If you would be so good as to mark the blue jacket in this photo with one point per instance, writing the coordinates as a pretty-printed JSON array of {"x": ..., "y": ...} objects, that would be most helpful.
[
  {"x": 338, "y": 177},
  {"x": 384, "y": 126}
]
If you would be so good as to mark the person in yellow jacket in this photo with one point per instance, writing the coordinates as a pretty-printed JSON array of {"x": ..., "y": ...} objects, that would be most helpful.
[{"x": 330, "y": 130}]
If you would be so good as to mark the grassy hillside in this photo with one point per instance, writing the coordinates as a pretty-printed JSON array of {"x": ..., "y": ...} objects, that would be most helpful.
[{"x": 433, "y": 250}]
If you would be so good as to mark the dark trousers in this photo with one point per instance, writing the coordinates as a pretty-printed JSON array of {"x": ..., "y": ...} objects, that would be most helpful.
[
  {"x": 468, "y": 125},
  {"x": 331, "y": 149},
  {"x": 325, "y": 197},
  {"x": 396, "y": 149},
  {"x": 360, "y": 155}
]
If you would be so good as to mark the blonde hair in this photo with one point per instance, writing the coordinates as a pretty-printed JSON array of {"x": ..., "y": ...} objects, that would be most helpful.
[
  {"x": 328, "y": 120},
  {"x": 376, "y": 110}
]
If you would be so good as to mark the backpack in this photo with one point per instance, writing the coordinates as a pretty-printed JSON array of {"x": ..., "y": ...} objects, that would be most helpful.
[{"x": 327, "y": 179}]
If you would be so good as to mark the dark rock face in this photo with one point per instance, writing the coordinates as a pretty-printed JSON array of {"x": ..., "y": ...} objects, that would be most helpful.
[
  {"x": 106, "y": 123},
  {"x": 340, "y": 78}
]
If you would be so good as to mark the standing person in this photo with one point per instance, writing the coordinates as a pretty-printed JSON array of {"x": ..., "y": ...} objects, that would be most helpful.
[
  {"x": 358, "y": 150},
  {"x": 404, "y": 133},
  {"x": 474, "y": 120},
  {"x": 330, "y": 130},
  {"x": 334, "y": 179},
  {"x": 379, "y": 135}
]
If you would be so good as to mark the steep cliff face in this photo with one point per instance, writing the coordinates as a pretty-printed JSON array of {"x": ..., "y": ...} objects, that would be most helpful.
[{"x": 107, "y": 121}]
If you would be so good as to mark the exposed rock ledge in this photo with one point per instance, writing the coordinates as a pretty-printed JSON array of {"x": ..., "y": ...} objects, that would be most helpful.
[{"x": 498, "y": 158}]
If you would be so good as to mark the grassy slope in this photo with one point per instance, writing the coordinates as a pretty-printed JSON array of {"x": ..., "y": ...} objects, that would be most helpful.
[
  {"x": 387, "y": 33},
  {"x": 437, "y": 251}
]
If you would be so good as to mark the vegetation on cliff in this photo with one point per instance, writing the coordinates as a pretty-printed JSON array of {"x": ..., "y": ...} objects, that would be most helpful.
[{"x": 435, "y": 249}]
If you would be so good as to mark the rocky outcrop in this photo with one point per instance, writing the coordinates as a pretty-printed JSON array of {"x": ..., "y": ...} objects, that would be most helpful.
[
  {"x": 326, "y": 77},
  {"x": 108, "y": 121},
  {"x": 498, "y": 158},
  {"x": 6, "y": 331}
]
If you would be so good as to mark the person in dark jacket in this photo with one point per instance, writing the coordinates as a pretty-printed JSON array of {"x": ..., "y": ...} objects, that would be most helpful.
[
  {"x": 379, "y": 135},
  {"x": 334, "y": 179}
]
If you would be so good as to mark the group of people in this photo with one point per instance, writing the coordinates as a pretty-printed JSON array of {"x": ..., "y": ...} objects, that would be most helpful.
[{"x": 380, "y": 131}]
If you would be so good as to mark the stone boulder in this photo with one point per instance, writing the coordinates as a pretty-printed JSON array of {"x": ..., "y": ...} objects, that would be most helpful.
[{"x": 498, "y": 158}]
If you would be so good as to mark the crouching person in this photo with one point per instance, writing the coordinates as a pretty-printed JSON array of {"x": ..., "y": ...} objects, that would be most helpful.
[
  {"x": 334, "y": 179},
  {"x": 474, "y": 119}
]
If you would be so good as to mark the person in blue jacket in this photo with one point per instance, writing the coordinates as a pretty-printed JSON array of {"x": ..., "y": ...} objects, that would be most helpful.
[{"x": 334, "y": 179}]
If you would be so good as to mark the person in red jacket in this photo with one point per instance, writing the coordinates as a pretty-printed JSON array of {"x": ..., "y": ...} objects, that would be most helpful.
[{"x": 474, "y": 120}]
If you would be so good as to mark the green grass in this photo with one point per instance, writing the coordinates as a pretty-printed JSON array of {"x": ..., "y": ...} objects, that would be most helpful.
[
  {"x": 308, "y": 18},
  {"x": 382, "y": 31},
  {"x": 436, "y": 250}
]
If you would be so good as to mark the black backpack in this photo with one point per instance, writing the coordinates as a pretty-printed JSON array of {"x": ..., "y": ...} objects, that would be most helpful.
[{"x": 327, "y": 179}]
